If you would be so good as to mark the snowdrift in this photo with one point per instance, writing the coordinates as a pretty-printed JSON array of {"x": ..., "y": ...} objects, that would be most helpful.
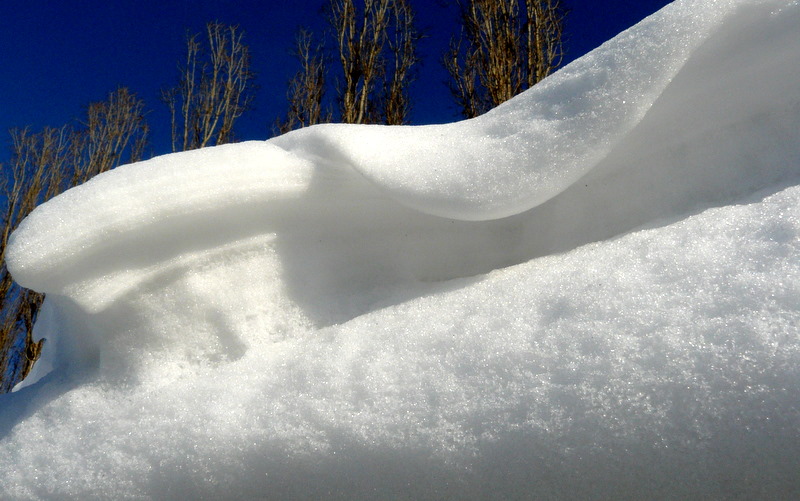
[{"x": 592, "y": 291}]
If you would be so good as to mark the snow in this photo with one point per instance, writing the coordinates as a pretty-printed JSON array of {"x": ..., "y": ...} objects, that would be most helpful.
[{"x": 592, "y": 291}]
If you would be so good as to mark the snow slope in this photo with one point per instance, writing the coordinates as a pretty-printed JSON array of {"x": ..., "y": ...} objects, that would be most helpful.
[{"x": 593, "y": 291}]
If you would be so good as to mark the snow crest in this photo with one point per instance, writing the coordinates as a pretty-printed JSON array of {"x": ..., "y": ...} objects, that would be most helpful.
[{"x": 529, "y": 150}]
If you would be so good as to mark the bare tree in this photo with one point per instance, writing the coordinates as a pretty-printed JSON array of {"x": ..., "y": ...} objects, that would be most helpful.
[
  {"x": 214, "y": 88},
  {"x": 360, "y": 40},
  {"x": 307, "y": 87},
  {"x": 402, "y": 42},
  {"x": 375, "y": 48},
  {"x": 381, "y": 31},
  {"x": 42, "y": 166},
  {"x": 36, "y": 172},
  {"x": 113, "y": 128},
  {"x": 506, "y": 46}
]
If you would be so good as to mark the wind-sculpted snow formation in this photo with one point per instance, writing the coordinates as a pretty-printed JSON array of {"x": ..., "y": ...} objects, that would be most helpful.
[{"x": 592, "y": 291}]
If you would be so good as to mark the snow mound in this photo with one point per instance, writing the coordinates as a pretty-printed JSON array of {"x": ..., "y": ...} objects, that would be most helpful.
[{"x": 592, "y": 291}]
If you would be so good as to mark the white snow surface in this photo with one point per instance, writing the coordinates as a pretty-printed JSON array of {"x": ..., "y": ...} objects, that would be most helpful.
[{"x": 592, "y": 291}]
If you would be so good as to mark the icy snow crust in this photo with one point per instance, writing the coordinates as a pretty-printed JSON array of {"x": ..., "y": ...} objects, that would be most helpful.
[{"x": 339, "y": 312}]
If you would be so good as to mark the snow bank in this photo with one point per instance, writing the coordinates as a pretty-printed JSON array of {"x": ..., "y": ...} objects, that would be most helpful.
[{"x": 318, "y": 315}]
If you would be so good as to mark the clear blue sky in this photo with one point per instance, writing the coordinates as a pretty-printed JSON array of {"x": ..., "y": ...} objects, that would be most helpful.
[{"x": 59, "y": 55}]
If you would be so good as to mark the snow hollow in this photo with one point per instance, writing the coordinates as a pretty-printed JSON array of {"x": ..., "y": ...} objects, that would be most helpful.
[{"x": 592, "y": 291}]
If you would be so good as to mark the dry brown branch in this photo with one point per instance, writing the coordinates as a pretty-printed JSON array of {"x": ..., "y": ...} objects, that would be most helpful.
[
  {"x": 113, "y": 127},
  {"x": 506, "y": 46},
  {"x": 375, "y": 48},
  {"x": 381, "y": 31},
  {"x": 307, "y": 87},
  {"x": 213, "y": 89},
  {"x": 402, "y": 46},
  {"x": 36, "y": 172}
]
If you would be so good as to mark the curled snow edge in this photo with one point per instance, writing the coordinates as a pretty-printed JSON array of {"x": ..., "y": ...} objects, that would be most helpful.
[{"x": 513, "y": 158}]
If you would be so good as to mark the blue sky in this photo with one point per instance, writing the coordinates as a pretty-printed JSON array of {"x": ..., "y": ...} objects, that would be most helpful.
[{"x": 57, "y": 56}]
